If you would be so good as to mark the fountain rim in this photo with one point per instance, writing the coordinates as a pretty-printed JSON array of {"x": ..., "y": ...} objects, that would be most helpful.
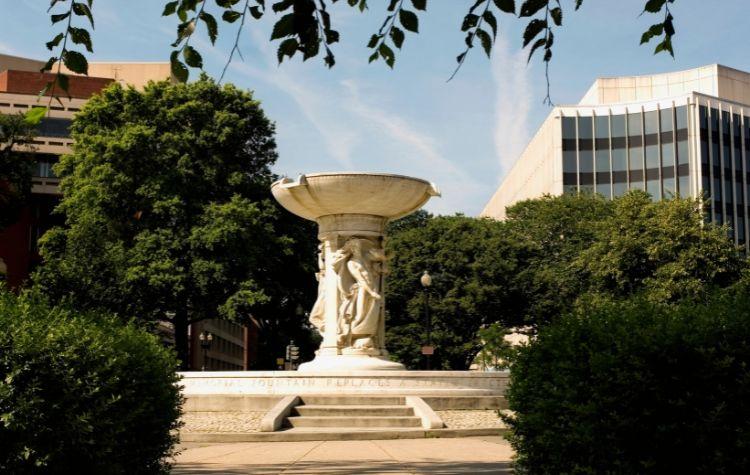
[{"x": 283, "y": 179}]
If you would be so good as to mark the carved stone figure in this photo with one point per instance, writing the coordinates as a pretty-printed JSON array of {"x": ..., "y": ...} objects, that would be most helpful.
[
  {"x": 317, "y": 314},
  {"x": 358, "y": 265}
]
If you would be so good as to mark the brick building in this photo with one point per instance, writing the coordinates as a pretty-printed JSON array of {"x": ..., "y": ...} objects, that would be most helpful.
[{"x": 20, "y": 84}]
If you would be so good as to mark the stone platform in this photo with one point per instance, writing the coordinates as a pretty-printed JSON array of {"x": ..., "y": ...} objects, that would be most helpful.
[
  {"x": 406, "y": 383},
  {"x": 342, "y": 405}
]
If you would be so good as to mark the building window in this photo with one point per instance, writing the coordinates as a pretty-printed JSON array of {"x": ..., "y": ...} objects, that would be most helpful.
[
  {"x": 601, "y": 156},
  {"x": 570, "y": 158},
  {"x": 619, "y": 156},
  {"x": 44, "y": 169},
  {"x": 683, "y": 154},
  {"x": 635, "y": 151},
  {"x": 727, "y": 168},
  {"x": 716, "y": 184},
  {"x": 651, "y": 137},
  {"x": 586, "y": 154},
  {"x": 666, "y": 140},
  {"x": 54, "y": 127}
]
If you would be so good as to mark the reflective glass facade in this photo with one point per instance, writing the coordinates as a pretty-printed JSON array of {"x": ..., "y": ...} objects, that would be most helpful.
[
  {"x": 611, "y": 154},
  {"x": 649, "y": 150},
  {"x": 725, "y": 167}
]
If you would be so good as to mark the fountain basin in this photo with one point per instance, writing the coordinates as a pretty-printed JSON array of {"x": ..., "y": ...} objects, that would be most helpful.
[{"x": 315, "y": 195}]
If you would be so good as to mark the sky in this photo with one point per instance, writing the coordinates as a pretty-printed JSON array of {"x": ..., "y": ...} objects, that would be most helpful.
[{"x": 463, "y": 134}]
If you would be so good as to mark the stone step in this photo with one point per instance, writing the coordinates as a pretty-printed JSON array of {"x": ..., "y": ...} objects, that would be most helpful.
[
  {"x": 358, "y": 422},
  {"x": 353, "y": 410},
  {"x": 354, "y": 400}
]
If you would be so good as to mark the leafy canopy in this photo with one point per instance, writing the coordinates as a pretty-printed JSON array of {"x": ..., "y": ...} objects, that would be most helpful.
[
  {"x": 551, "y": 256},
  {"x": 306, "y": 27},
  {"x": 168, "y": 214},
  {"x": 472, "y": 263}
]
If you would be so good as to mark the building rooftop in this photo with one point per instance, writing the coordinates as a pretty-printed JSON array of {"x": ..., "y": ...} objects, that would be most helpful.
[
  {"x": 713, "y": 80},
  {"x": 134, "y": 73}
]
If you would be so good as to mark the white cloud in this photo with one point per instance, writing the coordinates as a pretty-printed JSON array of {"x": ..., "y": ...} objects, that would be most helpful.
[
  {"x": 459, "y": 190},
  {"x": 346, "y": 121},
  {"x": 7, "y": 49},
  {"x": 513, "y": 94},
  {"x": 314, "y": 103}
]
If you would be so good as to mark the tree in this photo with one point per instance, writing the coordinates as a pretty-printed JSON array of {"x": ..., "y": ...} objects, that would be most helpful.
[
  {"x": 555, "y": 229},
  {"x": 664, "y": 250},
  {"x": 168, "y": 214},
  {"x": 306, "y": 26},
  {"x": 583, "y": 244},
  {"x": 17, "y": 132},
  {"x": 473, "y": 264}
]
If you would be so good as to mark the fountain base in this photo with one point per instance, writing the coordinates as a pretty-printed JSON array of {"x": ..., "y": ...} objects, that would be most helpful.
[{"x": 339, "y": 363}]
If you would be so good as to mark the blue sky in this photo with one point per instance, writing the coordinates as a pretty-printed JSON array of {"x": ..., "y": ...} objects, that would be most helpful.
[{"x": 463, "y": 134}]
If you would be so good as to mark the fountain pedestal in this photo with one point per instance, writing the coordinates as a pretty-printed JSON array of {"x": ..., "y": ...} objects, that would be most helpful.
[{"x": 352, "y": 211}]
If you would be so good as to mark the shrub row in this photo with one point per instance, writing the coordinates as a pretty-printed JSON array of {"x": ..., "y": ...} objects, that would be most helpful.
[
  {"x": 633, "y": 387},
  {"x": 82, "y": 393}
]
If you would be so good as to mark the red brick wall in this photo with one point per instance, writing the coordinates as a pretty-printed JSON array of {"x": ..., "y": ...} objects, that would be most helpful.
[
  {"x": 26, "y": 82},
  {"x": 14, "y": 249}
]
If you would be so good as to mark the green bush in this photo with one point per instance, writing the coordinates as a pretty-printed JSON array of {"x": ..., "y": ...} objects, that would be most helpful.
[
  {"x": 632, "y": 387},
  {"x": 81, "y": 393}
]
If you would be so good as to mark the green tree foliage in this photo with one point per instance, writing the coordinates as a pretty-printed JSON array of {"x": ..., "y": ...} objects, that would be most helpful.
[
  {"x": 636, "y": 387},
  {"x": 549, "y": 255},
  {"x": 168, "y": 214},
  {"x": 306, "y": 27},
  {"x": 472, "y": 263},
  {"x": 17, "y": 132},
  {"x": 583, "y": 244},
  {"x": 664, "y": 250},
  {"x": 555, "y": 230},
  {"x": 82, "y": 393}
]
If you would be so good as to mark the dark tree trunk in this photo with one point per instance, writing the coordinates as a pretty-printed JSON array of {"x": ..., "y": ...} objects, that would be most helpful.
[{"x": 181, "y": 339}]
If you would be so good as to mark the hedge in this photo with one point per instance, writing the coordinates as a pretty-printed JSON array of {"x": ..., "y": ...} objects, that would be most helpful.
[
  {"x": 82, "y": 393},
  {"x": 632, "y": 387}
]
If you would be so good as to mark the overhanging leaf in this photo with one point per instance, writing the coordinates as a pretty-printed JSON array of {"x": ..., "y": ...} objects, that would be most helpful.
[
  {"x": 179, "y": 70},
  {"x": 82, "y": 9},
  {"x": 192, "y": 57},
  {"x": 507, "y": 6},
  {"x": 76, "y": 62},
  {"x": 409, "y": 20},
  {"x": 534, "y": 27}
]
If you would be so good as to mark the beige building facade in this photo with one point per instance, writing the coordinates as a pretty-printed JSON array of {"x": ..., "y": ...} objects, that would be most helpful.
[
  {"x": 20, "y": 84},
  {"x": 683, "y": 133}
]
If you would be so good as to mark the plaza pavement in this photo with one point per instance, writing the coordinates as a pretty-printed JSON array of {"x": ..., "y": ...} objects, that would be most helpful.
[{"x": 401, "y": 456}]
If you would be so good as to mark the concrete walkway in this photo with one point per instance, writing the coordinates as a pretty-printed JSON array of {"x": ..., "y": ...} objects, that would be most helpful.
[{"x": 404, "y": 456}]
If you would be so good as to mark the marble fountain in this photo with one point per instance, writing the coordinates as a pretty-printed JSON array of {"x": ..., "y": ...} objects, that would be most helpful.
[{"x": 352, "y": 210}]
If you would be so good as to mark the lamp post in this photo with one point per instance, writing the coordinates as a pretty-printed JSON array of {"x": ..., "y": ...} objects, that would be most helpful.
[
  {"x": 205, "y": 338},
  {"x": 427, "y": 350}
]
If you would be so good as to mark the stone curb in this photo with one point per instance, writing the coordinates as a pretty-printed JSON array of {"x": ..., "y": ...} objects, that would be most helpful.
[{"x": 293, "y": 436}]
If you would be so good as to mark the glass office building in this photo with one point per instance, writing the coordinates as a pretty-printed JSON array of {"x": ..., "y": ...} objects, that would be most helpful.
[{"x": 684, "y": 133}]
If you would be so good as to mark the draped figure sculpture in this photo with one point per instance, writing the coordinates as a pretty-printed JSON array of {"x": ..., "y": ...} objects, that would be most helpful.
[
  {"x": 317, "y": 315},
  {"x": 359, "y": 266}
]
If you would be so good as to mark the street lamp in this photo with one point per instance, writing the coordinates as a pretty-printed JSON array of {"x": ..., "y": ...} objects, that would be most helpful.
[
  {"x": 206, "y": 338},
  {"x": 428, "y": 349}
]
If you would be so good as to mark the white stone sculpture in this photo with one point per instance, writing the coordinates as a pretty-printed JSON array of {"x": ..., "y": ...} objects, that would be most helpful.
[{"x": 352, "y": 210}]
